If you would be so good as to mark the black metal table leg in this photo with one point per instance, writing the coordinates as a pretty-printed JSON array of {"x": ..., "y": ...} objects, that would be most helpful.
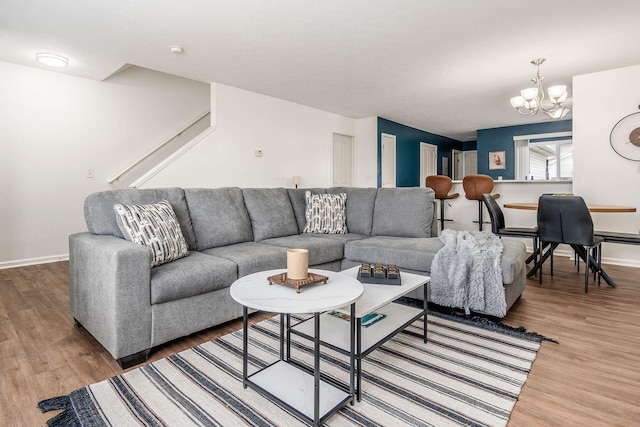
[
  {"x": 359, "y": 359},
  {"x": 245, "y": 345},
  {"x": 424, "y": 308},
  {"x": 288, "y": 337},
  {"x": 316, "y": 371},
  {"x": 281, "y": 336},
  {"x": 352, "y": 345}
]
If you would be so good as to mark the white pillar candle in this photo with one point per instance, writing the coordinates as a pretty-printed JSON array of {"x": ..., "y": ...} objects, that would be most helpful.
[{"x": 297, "y": 264}]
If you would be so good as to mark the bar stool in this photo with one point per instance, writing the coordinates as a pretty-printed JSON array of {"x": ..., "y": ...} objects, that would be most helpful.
[
  {"x": 441, "y": 185},
  {"x": 474, "y": 187}
]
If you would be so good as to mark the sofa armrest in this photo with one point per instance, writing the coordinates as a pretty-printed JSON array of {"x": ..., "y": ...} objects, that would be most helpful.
[{"x": 109, "y": 290}]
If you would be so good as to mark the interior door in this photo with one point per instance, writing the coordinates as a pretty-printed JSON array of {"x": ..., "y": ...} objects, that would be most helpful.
[
  {"x": 470, "y": 162},
  {"x": 388, "y": 160},
  {"x": 342, "y": 166},
  {"x": 458, "y": 169},
  {"x": 428, "y": 161}
]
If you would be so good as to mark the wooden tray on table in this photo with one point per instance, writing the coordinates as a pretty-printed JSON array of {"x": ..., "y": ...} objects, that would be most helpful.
[{"x": 282, "y": 279}]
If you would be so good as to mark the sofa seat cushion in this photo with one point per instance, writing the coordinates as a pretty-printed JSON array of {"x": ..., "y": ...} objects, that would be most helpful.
[
  {"x": 344, "y": 238},
  {"x": 409, "y": 253},
  {"x": 219, "y": 216},
  {"x": 417, "y": 254},
  {"x": 321, "y": 250},
  {"x": 251, "y": 257},
  {"x": 514, "y": 255},
  {"x": 193, "y": 275}
]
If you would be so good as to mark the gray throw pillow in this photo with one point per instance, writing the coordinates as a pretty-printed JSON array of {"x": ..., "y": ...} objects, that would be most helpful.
[{"x": 154, "y": 226}]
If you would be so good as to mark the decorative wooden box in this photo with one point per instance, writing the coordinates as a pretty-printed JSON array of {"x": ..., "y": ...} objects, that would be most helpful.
[{"x": 379, "y": 274}]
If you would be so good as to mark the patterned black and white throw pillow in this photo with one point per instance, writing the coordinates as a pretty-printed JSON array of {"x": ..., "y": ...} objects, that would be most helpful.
[
  {"x": 155, "y": 226},
  {"x": 325, "y": 213}
]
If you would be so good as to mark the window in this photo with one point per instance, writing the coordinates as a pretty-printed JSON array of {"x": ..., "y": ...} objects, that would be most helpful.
[{"x": 544, "y": 156}]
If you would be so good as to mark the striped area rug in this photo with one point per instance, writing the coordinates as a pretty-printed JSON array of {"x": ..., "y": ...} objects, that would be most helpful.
[{"x": 465, "y": 375}]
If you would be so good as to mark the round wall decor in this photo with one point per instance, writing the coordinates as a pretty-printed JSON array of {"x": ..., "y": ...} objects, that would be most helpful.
[{"x": 625, "y": 137}]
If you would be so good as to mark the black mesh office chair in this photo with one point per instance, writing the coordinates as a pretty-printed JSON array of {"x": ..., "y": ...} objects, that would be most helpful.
[
  {"x": 498, "y": 225},
  {"x": 566, "y": 219}
]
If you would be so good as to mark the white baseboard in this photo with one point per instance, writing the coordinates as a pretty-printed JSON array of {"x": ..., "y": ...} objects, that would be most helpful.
[
  {"x": 625, "y": 262},
  {"x": 33, "y": 261}
]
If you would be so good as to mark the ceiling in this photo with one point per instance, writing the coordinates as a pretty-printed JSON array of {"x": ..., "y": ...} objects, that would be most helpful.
[{"x": 445, "y": 66}]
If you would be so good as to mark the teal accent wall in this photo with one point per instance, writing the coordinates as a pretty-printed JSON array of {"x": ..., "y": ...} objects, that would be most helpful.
[
  {"x": 408, "y": 141},
  {"x": 498, "y": 139}
]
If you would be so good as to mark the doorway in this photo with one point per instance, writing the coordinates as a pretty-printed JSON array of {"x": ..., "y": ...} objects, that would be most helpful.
[
  {"x": 464, "y": 163},
  {"x": 388, "y": 160},
  {"x": 428, "y": 161},
  {"x": 342, "y": 165}
]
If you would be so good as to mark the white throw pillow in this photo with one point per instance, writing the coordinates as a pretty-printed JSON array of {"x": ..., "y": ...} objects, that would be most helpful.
[
  {"x": 154, "y": 226},
  {"x": 325, "y": 213}
]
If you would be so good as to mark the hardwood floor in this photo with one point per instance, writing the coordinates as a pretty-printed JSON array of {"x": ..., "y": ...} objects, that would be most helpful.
[{"x": 592, "y": 377}]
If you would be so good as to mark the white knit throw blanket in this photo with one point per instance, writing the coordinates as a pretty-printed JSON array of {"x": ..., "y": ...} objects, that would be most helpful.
[{"x": 467, "y": 272}]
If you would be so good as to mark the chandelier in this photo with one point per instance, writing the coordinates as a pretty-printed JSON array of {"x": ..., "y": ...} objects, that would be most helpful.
[{"x": 531, "y": 99}]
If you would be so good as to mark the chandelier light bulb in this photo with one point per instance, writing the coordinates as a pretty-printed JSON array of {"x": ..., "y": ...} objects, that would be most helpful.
[
  {"x": 529, "y": 93},
  {"x": 51, "y": 59},
  {"x": 517, "y": 101},
  {"x": 557, "y": 92}
]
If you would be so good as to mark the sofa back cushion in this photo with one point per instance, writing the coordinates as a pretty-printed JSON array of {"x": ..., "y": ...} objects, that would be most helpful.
[
  {"x": 360, "y": 205},
  {"x": 101, "y": 219},
  {"x": 299, "y": 204},
  {"x": 403, "y": 212},
  {"x": 271, "y": 213},
  {"x": 219, "y": 216}
]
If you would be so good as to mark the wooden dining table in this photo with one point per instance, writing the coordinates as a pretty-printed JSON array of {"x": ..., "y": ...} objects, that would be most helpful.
[{"x": 592, "y": 208}]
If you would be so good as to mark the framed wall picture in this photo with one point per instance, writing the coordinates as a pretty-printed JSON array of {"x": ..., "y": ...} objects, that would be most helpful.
[{"x": 497, "y": 160}]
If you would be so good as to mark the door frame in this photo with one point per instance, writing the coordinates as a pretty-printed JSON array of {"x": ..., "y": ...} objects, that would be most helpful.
[
  {"x": 382, "y": 163},
  {"x": 353, "y": 156},
  {"x": 434, "y": 147}
]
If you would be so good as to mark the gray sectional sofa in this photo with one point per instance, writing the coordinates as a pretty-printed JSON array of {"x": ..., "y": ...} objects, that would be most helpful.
[{"x": 130, "y": 307}]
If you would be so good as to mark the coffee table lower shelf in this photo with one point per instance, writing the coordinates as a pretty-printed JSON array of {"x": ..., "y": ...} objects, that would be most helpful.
[
  {"x": 293, "y": 387},
  {"x": 335, "y": 331}
]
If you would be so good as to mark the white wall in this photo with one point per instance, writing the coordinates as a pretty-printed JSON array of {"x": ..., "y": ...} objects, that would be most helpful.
[
  {"x": 600, "y": 175},
  {"x": 54, "y": 127},
  {"x": 366, "y": 167},
  {"x": 294, "y": 139}
]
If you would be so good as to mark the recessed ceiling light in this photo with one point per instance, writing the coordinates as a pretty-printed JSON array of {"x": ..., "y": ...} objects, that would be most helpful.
[
  {"x": 51, "y": 59},
  {"x": 175, "y": 49}
]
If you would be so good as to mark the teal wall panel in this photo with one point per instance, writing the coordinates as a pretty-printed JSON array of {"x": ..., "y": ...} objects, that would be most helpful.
[
  {"x": 498, "y": 139},
  {"x": 408, "y": 141}
]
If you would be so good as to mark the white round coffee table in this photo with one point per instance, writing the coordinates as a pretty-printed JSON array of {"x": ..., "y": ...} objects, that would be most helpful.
[{"x": 319, "y": 399}]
